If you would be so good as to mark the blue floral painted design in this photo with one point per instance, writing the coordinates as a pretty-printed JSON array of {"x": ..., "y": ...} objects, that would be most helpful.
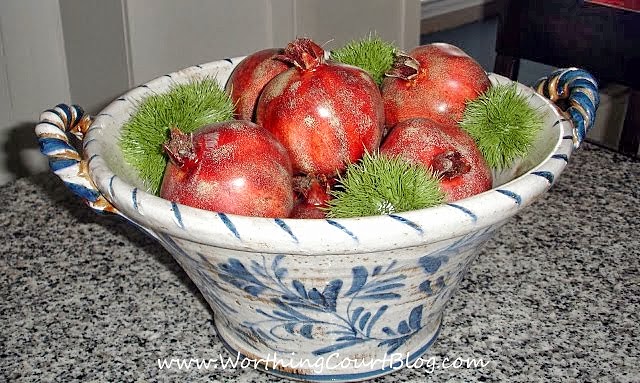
[
  {"x": 348, "y": 313},
  {"x": 438, "y": 288},
  {"x": 299, "y": 309}
]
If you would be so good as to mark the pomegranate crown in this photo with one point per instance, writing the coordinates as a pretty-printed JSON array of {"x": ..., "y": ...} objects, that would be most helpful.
[
  {"x": 404, "y": 67},
  {"x": 180, "y": 149},
  {"x": 303, "y": 53}
]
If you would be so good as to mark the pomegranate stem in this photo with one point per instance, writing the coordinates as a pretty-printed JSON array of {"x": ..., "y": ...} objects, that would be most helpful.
[
  {"x": 180, "y": 148},
  {"x": 450, "y": 164},
  {"x": 404, "y": 67},
  {"x": 303, "y": 53}
]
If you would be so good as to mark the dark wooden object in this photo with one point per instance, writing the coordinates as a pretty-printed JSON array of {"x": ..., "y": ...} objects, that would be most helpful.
[{"x": 603, "y": 40}]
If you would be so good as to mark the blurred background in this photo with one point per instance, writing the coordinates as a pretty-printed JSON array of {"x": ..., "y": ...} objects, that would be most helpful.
[{"x": 89, "y": 52}]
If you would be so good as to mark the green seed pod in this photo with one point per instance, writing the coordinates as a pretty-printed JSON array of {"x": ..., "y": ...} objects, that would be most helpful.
[
  {"x": 372, "y": 54},
  {"x": 378, "y": 184},
  {"x": 185, "y": 106},
  {"x": 503, "y": 124}
]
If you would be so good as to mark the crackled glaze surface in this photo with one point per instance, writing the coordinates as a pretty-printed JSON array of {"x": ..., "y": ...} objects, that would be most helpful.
[{"x": 382, "y": 303}]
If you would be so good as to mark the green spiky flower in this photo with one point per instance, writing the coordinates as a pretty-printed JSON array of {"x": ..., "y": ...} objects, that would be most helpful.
[
  {"x": 503, "y": 124},
  {"x": 186, "y": 106},
  {"x": 371, "y": 54},
  {"x": 378, "y": 184}
]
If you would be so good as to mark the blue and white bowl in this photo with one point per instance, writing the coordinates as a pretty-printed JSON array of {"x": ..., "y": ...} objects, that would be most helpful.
[{"x": 322, "y": 299}]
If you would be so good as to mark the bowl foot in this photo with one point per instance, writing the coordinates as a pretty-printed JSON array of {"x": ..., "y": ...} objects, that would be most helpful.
[{"x": 328, "y": 369}]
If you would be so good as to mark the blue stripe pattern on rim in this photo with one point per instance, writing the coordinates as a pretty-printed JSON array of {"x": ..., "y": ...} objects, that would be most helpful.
[
  {"x": 94, "y": 127},
  {"x": 465, "y": 210},
  {"x": 580, "y": 88},
  {"x": 560, "y": 121},
  {"x": 407, "y": 222},
  {"x": 573, "y": 78},
  {"x": 111, "y": 185},
  {"x": 49, "y": 145},
  {"x": 54, "y": 112},
  {"x": 86, "y": 143},
  {"x": 68, "y": 115},
  {"x": 562, "y": 157},
  {"x": 515, "y": 196},
  {"x": 79, "y": 113},
  {"x": 64, "y": 159},
  {"x": 227, "y": 222},
  {"x": 546, "y": 175},
  {"x": 134, "y": 198},
  {"x": 50, "y": 123},
  {"x": 92, "y": 158},
  {"x": 59, "y": 164},
  {"x": 587, "y": 84},
  {"x": 177, "y": 214},
  {"x": 344, "y": 229},
  {"x": 583, "y": 97},
  {"x": 146, "y": 87},
  {"x": 578, "y": 123},
  {"x": 83, "y": 192},
  {"x": 286, "y": 228}
]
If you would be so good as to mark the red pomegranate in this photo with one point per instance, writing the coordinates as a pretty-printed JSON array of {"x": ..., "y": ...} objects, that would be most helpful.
[
  {"x": 326, "y": 114},
  {"x": 445, "y": 148},
  {"x": 233, "y": 167},
  {"x": 433, "y": 81},
  {"x": 249, "y": 77}
]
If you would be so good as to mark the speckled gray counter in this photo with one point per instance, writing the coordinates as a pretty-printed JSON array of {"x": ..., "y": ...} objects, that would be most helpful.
[{"x": 555, "y": 296}]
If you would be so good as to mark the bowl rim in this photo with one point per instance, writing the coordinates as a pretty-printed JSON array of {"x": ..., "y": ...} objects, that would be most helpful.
[{"x": 161, "y": 217}]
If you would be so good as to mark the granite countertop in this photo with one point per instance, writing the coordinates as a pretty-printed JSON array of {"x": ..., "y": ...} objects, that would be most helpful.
[{"x": 555, "y": 296}]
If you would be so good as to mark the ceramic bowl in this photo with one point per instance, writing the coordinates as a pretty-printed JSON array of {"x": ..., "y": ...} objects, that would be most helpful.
[{"x": 317, "y": 299}]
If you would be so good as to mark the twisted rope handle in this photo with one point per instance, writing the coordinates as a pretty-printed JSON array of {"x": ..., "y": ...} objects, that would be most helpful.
[
  {"x": 53, "y": 131},
  {"x": 578, "y": 90}
]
